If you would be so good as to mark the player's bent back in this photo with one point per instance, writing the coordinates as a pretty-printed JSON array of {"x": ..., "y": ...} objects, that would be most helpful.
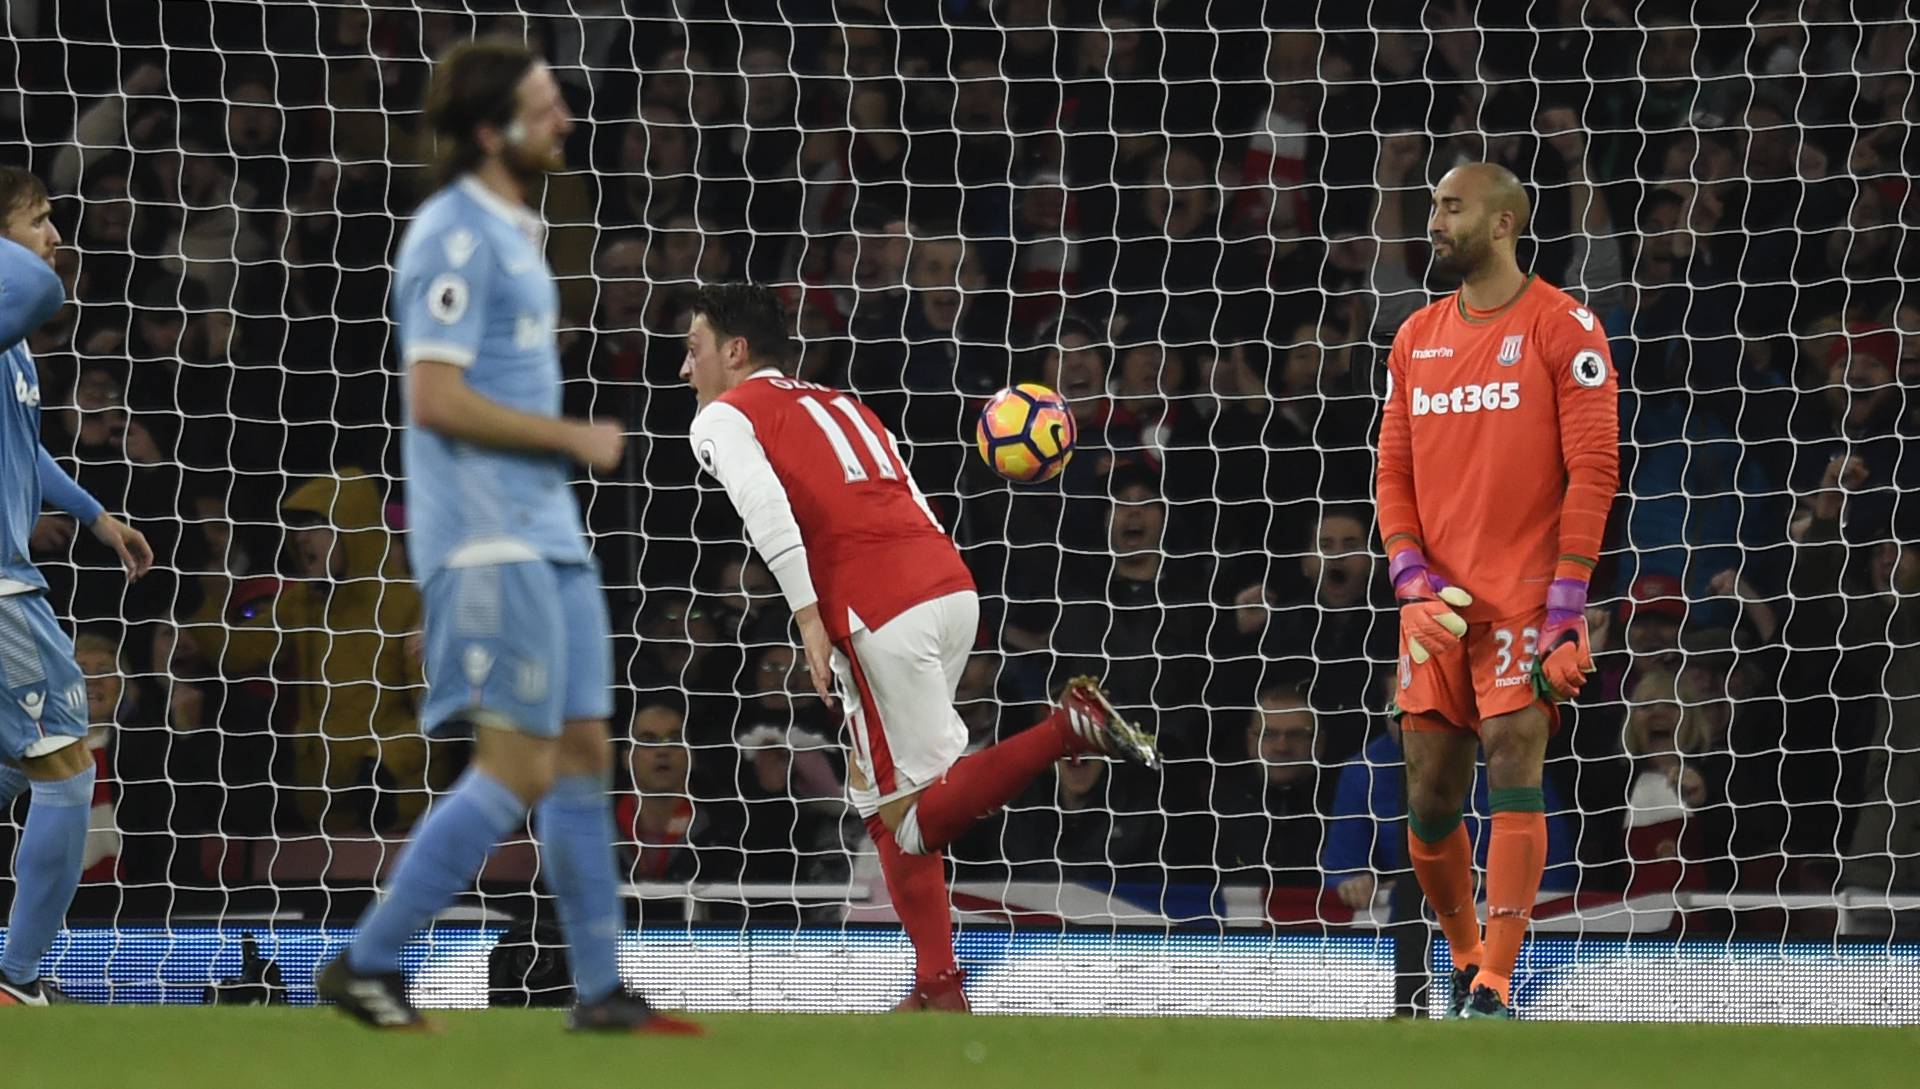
[{"x": 874, "y": 545}]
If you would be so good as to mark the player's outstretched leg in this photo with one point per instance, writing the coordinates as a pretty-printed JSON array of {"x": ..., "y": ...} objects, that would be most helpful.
[
  {"x": 970, "y": 789},
  {"x": 446, "y": 854},
  {"x": 46, "y": 871},
  {"x": 977, "y": 785},
  {"x": 917, "y": 885}
]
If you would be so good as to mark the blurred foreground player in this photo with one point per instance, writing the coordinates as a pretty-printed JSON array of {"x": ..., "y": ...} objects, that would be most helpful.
[
  {"x": 43, "y": 696},
  {"x": 1499, "y": 456},
  {"x": 517, "y": 638},
  {"x": 884, "y": 606}
]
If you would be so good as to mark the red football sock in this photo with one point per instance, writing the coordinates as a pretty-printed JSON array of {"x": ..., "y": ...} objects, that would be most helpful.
[
  {"x": 979, "y": 784},
  {"x": 918, "y": 886},
  {"x": 1516, "y": 859},
  {"x": 1445, "y": 872}
]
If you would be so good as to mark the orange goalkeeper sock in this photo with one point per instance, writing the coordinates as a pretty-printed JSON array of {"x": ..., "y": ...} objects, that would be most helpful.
[
  {"x": 1444, "y": 867},
  {"x": 1516, "y": 859}
]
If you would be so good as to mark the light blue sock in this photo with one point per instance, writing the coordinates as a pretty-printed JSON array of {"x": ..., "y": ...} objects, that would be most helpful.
[
  {"x": 575, "y": 823},
  {"x": 46, "y": 871},
  {"x": 12, "y": 782},
  {"x": 446, "y": 854}
]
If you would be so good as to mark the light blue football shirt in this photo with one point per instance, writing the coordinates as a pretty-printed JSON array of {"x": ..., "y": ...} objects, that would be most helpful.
[
  {"x": 30, "y": 293},
  {"x": 472, "y": 288}
]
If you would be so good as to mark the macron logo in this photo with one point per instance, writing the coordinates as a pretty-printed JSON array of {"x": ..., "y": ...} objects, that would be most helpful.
[
  {"x": 1433, "y": 353},
  {"x": 1584, "y": 316}
]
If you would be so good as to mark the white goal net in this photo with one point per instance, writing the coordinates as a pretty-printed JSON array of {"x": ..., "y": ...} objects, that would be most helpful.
[{"x": 1203, "y": 229}]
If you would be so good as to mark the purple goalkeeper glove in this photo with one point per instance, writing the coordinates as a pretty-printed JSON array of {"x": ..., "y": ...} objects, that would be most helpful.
[
  {"x": 1427, "y": 604},
  {"x": 1563, "y": 659}
]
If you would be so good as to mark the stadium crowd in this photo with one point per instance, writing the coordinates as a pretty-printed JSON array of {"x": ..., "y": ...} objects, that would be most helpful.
[{"x": 1205, "y": 238}]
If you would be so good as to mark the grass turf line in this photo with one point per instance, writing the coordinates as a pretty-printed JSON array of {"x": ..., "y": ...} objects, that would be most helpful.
[{"x": 204, "y": 1047}]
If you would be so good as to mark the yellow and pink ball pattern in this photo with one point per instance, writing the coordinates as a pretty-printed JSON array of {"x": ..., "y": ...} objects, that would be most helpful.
[{"x": 1026, "y": 433}]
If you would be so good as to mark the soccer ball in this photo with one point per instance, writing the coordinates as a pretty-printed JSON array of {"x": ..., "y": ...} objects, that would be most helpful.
[{"x": 1026, "y": 433}]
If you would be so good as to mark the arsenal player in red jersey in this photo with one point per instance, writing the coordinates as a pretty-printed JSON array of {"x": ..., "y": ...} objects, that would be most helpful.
[
  {"x": 884, "y": 605},
  {"x": 1499, "y": 457}
]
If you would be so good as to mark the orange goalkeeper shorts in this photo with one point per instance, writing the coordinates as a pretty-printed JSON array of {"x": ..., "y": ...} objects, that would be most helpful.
[{"x": 1489, "y": 674}]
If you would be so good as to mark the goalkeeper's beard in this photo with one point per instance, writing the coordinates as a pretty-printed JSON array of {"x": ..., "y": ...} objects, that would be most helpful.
[{"x": 1464, "y": 256}]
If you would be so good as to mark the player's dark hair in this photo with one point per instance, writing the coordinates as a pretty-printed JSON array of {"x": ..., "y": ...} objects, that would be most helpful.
[
  {"x": 19, "y": 190},
  {"x": 750, "y": 312},
  {"x": 475, "y": 83}
]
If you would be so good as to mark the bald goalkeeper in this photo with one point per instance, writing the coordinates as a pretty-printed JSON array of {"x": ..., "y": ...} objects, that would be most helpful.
[{"x": 1499, "y": 457}]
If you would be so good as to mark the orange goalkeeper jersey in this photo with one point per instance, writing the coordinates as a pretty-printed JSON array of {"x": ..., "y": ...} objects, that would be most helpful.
[{"x": 1500, "y": 447}]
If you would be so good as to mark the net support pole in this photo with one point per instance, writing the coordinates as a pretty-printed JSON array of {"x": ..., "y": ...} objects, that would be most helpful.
[{"x": 1412, "y": 949}]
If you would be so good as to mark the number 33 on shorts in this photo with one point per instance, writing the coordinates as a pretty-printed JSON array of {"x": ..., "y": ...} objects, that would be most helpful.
[
  {"x": 1501, "y": 658},
  {"x": 1493, "y": 676},
  {"x": 1503, "y": 652}
]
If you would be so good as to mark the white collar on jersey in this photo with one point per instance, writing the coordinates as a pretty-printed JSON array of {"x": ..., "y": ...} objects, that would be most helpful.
[
  {"x": 768, "y": 372},
  {"x": 518, "y": 217}
]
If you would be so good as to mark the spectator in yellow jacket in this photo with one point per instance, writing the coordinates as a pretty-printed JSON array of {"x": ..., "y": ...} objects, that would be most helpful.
[{"x": 341, "y": 638}]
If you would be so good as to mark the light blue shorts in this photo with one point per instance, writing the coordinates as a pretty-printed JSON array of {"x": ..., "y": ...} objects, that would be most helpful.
[
  {"x": 525, "y": 645},
  {"x": 44, "y": 690}
]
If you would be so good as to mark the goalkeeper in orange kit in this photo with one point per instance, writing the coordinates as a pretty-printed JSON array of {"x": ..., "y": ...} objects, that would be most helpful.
[{"x": 1499, "y": 456}]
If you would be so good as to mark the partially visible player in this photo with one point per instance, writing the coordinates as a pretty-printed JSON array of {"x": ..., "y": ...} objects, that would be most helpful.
[
  {"x": 43, "y": 696},
  {"x": 884, "y": 605},
  {"x": 1499, "y": 457},
  {"x": 517, "y": 640}
]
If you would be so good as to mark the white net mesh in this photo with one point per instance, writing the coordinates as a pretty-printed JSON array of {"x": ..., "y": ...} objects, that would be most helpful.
[{"x": 1204, "y": 231}]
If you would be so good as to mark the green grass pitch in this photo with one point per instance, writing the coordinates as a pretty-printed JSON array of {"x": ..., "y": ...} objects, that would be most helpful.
[{"x": 206, "y": 1047}]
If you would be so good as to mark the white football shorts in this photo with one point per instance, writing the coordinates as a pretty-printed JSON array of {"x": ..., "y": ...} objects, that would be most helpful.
[{"x": 898, "y": 683}]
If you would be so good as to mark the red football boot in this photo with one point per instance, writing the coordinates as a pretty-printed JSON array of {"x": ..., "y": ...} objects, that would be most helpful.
[
  {"x": 941, "y": 994},
  {"x": 1093, "y": 718}
]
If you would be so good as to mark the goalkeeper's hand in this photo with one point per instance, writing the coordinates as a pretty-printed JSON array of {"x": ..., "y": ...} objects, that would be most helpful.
[
  {"x": 1427, "y": 604},
  {"x": 1564, "y": 657}
]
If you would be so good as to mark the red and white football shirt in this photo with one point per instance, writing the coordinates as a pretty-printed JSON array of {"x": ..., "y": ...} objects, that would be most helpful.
[{"x": 827, "y": 501}]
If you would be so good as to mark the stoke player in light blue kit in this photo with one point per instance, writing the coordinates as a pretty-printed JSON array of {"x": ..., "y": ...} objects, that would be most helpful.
[
  {"x": 517, "y": 641},
  {"x": 43, "y": 696}
]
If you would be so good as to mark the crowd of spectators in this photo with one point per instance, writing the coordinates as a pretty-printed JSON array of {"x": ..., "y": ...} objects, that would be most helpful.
[{"x": 1202, "y": 230}]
